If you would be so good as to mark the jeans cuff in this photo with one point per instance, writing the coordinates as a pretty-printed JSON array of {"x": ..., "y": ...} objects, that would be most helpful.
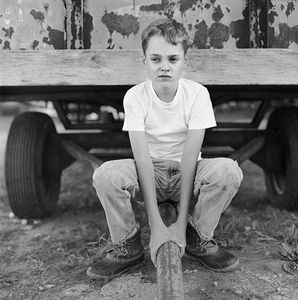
[
  {"x": 197, "y": 228},
  {"x": 129, "y": 234}
]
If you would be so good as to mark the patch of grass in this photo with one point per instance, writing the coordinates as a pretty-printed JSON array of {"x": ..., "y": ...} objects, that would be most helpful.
[{"x": 273, "y": 230}]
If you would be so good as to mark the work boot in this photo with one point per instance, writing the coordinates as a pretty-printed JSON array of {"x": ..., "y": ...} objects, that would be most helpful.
[
  {"x": 119, "y": 258},
  {"x": 208, "y": 253}
]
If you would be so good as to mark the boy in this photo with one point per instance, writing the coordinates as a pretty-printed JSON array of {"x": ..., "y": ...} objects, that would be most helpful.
[{"x": 166, "y": 118}]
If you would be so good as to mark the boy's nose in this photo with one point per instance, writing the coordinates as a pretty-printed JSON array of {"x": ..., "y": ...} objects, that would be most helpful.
[{"x": 165, "y": 66}]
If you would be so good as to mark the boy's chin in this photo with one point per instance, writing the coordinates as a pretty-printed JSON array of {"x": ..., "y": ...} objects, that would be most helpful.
[{"x": 166, "y": 83}]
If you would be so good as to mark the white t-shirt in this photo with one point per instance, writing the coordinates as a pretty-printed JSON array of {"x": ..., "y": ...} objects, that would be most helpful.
[{"x": 166, "y": 124}]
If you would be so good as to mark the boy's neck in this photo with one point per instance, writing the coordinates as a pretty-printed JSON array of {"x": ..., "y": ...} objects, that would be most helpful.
[{"x": 166, "y": 93}]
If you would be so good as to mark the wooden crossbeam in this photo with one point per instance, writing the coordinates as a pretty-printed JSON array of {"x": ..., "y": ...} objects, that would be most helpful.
[{"x": 110, "y": 68}]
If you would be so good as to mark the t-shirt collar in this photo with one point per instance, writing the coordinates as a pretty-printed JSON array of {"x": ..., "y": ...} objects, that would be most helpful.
[{"x": 156, "y": 98}]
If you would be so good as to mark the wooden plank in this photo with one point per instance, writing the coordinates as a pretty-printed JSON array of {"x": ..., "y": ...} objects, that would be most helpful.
[{"x": 99, "y": 68}]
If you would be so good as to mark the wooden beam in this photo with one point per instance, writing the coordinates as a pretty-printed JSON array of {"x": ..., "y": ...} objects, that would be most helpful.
[
  {"x": 169, "y": 268},
  {"x": 109, "y": 68},
  {"x": 169, "y": 273}
]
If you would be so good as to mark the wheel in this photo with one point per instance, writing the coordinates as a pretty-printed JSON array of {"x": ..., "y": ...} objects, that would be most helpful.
[
  {"x": 32, "y": 167},
  {"x": 282, "y": 158}
]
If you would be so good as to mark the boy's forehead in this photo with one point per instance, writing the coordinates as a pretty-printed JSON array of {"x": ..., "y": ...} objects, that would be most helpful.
[{"x": 159, "y": 45}]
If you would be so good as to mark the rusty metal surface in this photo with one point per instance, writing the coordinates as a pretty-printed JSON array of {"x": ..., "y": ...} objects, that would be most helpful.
[
  {"x": 117, "y": 24},
  {"x": 258, "y": 23},
  {"x": 283, "y": 24},
  {"x": 76, "y": 24},
  {"x": 32, "y": 24},
  {"x": 210, "y": 23}
]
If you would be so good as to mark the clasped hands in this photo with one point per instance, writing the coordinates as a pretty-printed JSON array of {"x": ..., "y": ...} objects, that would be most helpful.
[{"x": 161, "y": 234}]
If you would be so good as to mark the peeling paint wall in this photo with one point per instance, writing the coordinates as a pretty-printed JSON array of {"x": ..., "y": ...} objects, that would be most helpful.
[
  {"x": 32, "y": 24},
  {"x": 210, "y": 23},
  {"x": 74, "y": 24},
  {"x": 283, "y": 24},
  {"x": 117, "y": 24},
  {"x": 258, "y": 23}
]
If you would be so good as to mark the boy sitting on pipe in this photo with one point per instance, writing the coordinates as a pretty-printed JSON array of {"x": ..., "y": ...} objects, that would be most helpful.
[{"x": 166, "y": 117}]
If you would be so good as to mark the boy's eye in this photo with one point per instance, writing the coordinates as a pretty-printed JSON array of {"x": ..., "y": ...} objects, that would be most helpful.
[
  {"x": 155, "y": 59},
  {"x": 174, "y": 59}
]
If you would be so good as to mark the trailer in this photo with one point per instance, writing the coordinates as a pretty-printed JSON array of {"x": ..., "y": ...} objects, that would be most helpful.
[{"x": 82, "y": 56}]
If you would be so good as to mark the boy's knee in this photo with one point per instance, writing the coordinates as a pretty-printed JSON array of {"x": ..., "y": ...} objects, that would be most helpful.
[
  {"x": 114, "y": 173},
  {"x": 228, "y": 173},
  {"x": 105, "y": 173}
]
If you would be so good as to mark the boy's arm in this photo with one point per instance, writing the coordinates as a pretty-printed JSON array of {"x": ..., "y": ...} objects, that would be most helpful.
[
  {"x": 160, "y": 233},
  {"x": 192, "y": 148},
  {"x": 146, "y": 174}
]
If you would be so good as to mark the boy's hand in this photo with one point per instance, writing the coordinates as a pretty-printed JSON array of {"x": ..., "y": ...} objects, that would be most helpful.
[{"x": 162, "y": 234}]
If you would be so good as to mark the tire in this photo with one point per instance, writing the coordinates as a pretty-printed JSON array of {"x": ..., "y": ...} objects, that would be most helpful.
[
  {"x": 282, "y": 158},
  {"x": 32, "y": 167}
]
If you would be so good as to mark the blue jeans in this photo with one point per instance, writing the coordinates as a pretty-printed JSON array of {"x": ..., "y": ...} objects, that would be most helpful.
[{"x": 216, "y": 182}]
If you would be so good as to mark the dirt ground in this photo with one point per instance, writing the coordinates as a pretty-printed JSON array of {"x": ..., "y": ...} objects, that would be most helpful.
[{"x": 48, "y": 259}]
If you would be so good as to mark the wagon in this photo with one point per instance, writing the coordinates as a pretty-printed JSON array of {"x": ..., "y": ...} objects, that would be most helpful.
[{"x": 83, "y": 65}]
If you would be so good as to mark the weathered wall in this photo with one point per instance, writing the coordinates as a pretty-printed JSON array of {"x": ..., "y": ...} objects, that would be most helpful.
[
  {"x": 283, "y": 24},
  {"x": 32, "y": 24},
  {"x": 210, "y": 23},
  {"x": 117, "y": 24}
]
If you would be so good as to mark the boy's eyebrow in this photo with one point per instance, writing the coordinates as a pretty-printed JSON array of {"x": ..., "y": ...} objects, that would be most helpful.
[{"x": 171, "y": 55}]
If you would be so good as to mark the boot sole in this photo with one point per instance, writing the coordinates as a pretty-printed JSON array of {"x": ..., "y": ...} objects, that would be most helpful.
[
  {"x": 222, "y": 270},
  {"x": 93, "y": 275}
]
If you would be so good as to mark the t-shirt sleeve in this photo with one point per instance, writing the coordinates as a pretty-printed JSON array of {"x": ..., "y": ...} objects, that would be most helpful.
[
  {"x": 202, "y": 114},
  {"x": 134, "y": 115}
]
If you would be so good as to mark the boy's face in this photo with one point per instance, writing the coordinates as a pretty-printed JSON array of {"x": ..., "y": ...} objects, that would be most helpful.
[{"x": 164, "y": 62}]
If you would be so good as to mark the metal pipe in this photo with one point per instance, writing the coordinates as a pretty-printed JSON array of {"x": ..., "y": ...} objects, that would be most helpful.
[
  {"x": 249, "y": 149},
  {"x": 81, "y": 154}
]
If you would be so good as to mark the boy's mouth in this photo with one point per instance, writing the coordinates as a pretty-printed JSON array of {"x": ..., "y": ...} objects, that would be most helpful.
[{"x": 164, "y": 76}]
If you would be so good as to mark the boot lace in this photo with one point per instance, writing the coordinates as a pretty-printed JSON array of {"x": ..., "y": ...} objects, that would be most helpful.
[
  {"x": 204, "y": 245},
  {"x": 115, "y": 250}
]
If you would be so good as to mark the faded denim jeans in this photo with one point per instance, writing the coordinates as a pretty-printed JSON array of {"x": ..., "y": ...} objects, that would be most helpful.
[{"x": 216, "y": 182}]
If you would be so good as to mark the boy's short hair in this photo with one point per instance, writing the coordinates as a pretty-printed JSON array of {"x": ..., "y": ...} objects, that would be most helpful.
[{"x": 173, "y": 32}]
